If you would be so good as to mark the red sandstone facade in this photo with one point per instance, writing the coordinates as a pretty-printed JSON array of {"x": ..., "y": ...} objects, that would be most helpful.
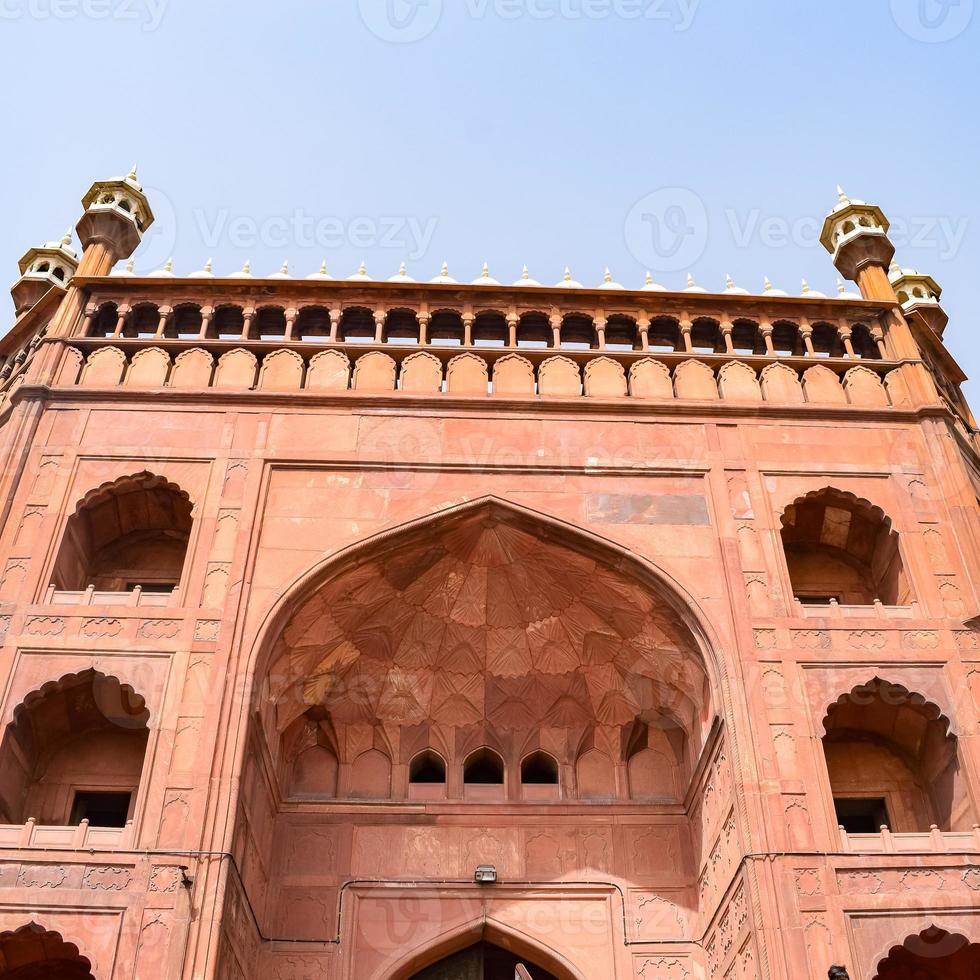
[{"x": 320, "y": 595}]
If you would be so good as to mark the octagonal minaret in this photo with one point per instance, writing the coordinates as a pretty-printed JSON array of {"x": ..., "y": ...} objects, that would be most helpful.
[
  {"x": 856, "y": 235},
  {"x": 51, "y": 264},
  {"x": 117, "y": 214}
]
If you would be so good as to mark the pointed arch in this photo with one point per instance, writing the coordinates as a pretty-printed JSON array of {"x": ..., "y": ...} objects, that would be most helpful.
[{"x": 480, "y": 929}]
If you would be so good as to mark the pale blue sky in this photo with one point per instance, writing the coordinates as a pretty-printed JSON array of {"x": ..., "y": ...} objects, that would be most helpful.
[{"x": 509, "y": 131}]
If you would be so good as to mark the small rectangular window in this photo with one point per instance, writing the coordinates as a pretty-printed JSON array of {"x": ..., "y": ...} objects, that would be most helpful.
[
  {"x": 863, "y": 815},
  {"x": 101, "y": 809}
]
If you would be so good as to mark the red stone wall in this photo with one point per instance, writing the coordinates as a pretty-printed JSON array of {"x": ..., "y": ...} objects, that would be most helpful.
[{"x": 738, "y": 871}]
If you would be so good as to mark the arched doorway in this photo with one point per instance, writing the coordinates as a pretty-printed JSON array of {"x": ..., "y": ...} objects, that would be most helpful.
[
  {"x": 482, "y": 961},
  {"x": 934, "y": 954},
  {"x": 33, "y": 953}
]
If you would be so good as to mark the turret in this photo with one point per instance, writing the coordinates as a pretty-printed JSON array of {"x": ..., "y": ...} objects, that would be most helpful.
[
  {"x": 52, "y": 264},
  {"x": 856, "y": 235},
  {"x": 919, "y": 295},
  {"x": 117, "y": 214}
]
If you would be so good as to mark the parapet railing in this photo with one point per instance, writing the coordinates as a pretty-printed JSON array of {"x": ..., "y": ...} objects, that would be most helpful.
[
  {"x": 334, "y": 368},
  {"x": 81, "y": 837},
  {"x": 93, "y": 597},
  {"x": 888, "y": 842}
]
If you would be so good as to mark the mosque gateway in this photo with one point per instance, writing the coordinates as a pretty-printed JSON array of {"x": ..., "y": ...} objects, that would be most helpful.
[{"x": 393, "y": 629}]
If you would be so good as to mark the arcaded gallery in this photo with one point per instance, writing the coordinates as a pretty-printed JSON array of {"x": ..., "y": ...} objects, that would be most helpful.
[{"x": 367, "y": 628}]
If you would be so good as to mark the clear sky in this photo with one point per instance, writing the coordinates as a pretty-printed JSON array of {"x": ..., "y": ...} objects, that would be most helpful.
[{"x": 677, "y": 135}]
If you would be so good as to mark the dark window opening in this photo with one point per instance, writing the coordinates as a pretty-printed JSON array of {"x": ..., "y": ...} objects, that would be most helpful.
[
  {"x": 427, "y": 768},
  {"x": 539, "y": 770},
  {"x": 484, "y": 768},
  {"x": 862, "y": 816},
  {"x": 101, "y": 809},
  {"x": 817, "y": 600},
  {"x": 155, "y": 588}
]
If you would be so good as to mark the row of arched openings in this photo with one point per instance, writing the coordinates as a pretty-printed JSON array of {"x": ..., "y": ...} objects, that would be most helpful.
[
  {"x": 135, "y": 532},
  {"x": 533, "y": 330},
  {"x": 75, "y": 749}
]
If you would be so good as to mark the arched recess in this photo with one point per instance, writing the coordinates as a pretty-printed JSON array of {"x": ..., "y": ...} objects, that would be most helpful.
[
  {"x": 893, "y": 760},
  {"x": 933, "y": 954},
  {"x": 478, "y": 626},
  {"x": 483, "y": 930},
  {"x": 839, "y": 546},
  {"x": 133, "y": 531},
  {"x": 489, "y": 614},
  {"x": 74, "y": 750},
  {"x": 35, "y": 953}
]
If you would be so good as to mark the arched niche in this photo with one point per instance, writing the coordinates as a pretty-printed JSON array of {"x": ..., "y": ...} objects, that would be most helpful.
[
  {"x": 893, "y": 760},
  {"x": 74, "y": 751},
  {"x": 840, "y": 547},
  {"x": 133, "y": 531}
]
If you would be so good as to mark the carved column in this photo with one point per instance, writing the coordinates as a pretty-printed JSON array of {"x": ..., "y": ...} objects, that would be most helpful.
[
  {"x": 643, "y": 328},
  {"x": 806, "y": 335},
  {"x": 123, "y": 314},
  {"x": 726, "y": 333},
  {"x": 687, "y": 328},
  {"x": 765, "y": 330},
  {"x": 291, "y": 315},
  {"x": 600, "y": 332},
  {"x": 555, "y": 321},
  {"x": 165, "y": 313}
]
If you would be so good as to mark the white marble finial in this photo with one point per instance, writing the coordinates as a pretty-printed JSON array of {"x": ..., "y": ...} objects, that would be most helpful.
[
  {"x": 66, "y": 241},
  {"x": 649, "y": 279},
  {"x": 209, "y": 266},
  {"x": 168, "y": 265},
  {"x": 323, "y": 267},
  {"x": 767, "y": 283},
  {"x": 247, "y": 267},
  {"x": 131, "y": 266},
  {"x": 690, "y": 281},
  {"x": 806, "y": 286},
  {"x": 841, "y": 196}
]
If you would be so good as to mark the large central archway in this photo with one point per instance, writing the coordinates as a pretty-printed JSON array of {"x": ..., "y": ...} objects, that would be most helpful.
[{"x": 411, "y": 692}]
